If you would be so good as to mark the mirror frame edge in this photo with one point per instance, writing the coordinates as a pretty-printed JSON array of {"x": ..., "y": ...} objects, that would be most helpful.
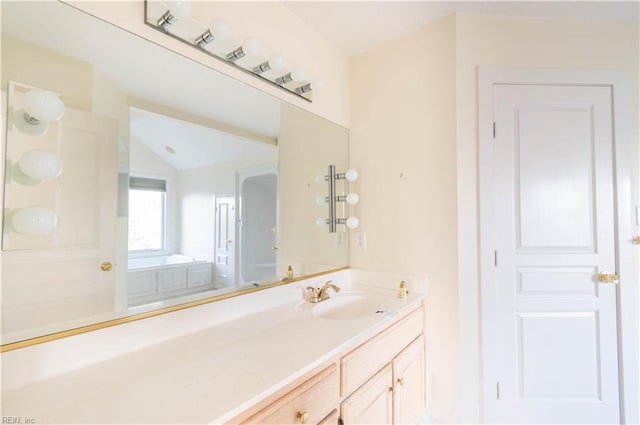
[{"x": 148, "y": 314}]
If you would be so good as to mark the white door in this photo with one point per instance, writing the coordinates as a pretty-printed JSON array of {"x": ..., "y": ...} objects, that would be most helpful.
[
  {"x": 224, "y": 243},
  {"x": 555, "y": 329},
  {"x": 57, "y": 278}
]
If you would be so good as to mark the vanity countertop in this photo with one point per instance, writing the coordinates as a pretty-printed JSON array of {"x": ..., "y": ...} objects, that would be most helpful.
[{"x": 209, "y": 376}]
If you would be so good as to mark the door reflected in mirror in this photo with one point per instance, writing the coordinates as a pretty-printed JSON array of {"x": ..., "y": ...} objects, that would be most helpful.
[{"x": 163, "y": 183}]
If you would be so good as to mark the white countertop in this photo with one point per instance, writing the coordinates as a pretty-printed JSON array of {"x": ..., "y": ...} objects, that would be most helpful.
[{"x": 209, "y": 376}]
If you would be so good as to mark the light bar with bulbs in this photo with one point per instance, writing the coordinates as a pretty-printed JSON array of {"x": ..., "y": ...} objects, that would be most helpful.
[
  {"x": 164, "y": 15},
  {"x": 333, "y": 198}
]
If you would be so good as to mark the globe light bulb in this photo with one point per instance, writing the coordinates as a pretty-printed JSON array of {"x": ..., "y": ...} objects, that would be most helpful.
[
  {"x": 351, "y": 175},
  {"x": 277, "y": 62},
  {"x": 179, "y": 8},
  {"x": 352, "y": 198},
  {"x": 352, "y": 222},
  {"x": 251, "y": 46},
  {"x": 40, "y": 165},
  {"x": 43, "y": 105},
  {"x": 317, "y": 84},
  {"x": 219, "y": 28},
  {"x": 297, "y": 73},
  {"x": 34, "y": 221}
]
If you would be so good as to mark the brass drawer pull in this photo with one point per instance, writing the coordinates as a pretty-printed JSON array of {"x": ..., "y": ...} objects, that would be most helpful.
[{"x": 302, "y": 416}]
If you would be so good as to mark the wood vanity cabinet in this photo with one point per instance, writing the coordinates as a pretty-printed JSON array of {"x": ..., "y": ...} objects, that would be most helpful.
[
  {"x": 382, "y": 381},
  {"x": 396, "y": 393}
]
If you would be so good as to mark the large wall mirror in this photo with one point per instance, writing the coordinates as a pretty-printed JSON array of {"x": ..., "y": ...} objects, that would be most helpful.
[{"x": 155, "y": 182}]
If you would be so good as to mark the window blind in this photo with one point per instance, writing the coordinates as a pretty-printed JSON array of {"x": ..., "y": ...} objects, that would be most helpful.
[{"x": 145, "y": 183}]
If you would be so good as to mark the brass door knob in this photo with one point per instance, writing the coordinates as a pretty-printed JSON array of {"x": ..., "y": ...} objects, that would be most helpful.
[
  {"x": 400, "y": 381},
  {"x": 606, "y": 277},
  {"x": 228, "y": 241},
  {"x": 392, "y": 389},
  {"x": 106, "y": 266},
  {"x": 302, "y": 417},
  {"x": 635, "y": 240},
  {"x": 274, "y": 248}
]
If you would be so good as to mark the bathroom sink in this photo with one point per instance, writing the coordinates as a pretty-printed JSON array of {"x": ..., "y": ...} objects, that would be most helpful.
[{"x": 352, "y": 306}]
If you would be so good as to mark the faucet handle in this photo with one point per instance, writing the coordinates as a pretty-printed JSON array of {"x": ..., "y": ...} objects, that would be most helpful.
[{"x": 313, "y": 294}]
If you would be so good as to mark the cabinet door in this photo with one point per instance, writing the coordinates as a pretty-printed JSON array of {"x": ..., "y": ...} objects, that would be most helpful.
[
  {"x": 371, "y": 403},
  {"x": 409, "y": 383}
]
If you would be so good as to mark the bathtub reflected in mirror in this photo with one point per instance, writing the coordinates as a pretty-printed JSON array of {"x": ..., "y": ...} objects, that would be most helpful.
[{"x": 179, "y": 184}]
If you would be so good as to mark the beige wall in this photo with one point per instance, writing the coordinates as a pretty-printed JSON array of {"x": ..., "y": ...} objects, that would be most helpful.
[
  {"x": 516, "y": 42},
  {"x": 30, "y": 64},
  {"x": 277, "y": 28},
  {"x": 403, "y": 143},
  {"x": 414, "y": 114}
]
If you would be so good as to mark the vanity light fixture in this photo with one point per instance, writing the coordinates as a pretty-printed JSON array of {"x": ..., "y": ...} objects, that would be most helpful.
[
  {"x": 218, "y": 28},
  {"x": 35, "y": 221},
  {"x": 350, "y": 198},
  {"x": 176, "y": 10},
  {"x": 164, "y": 16},
  {"x": 40, "y": 165},
  {"x": 40, "y": 108},
  {"x": 250, "y": 47}
]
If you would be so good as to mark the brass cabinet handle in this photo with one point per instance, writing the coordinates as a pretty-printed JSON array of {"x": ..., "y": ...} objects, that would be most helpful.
[
  {"x": 302, "y": 416},
  {"x": 400, "y": 381},
  {"x": 274, "y": 248},
  {"x": 635, "y": 240},
  {"x": 228, "y": 241},
  {"x": 606, "y": 277},
  {"x": 392, "y": 389},
  {"x": 106, "y": 266}
]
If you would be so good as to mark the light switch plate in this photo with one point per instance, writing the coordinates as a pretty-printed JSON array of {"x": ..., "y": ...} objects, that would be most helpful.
[{"x": 361, "y": 240}]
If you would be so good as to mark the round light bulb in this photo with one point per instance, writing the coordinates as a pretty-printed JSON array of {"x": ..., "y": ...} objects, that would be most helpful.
[
  {"x": 352, "y": 198},
  {"x": 351, "y": 175},
  {"x": 43, "y": 105},
  {"x": 321, "y": 222},
  {"x": 179, "y": 8},
  {"x": 219, "y": 28},
  {"x": 321, "y": 200},
  {"x": 317, "y": 84},
  {"x": 277, "y": 61},
  {"x": 250, "y": 46},
  {"x": 34, "y": 221},
  {"x": 297, "y": 73},
  {"x": 321, "y": 179},
  {"x": 352, "y": 222},
  {"x": 40, "y": 165}
]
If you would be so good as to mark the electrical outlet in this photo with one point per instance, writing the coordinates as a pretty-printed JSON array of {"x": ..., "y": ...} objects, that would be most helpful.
[{"x": 361, "y": 240}]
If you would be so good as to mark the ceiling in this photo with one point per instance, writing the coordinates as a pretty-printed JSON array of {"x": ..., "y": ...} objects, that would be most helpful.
[
  {"x": 357, "y": 26},
  {"x": 185, "y": 145}
]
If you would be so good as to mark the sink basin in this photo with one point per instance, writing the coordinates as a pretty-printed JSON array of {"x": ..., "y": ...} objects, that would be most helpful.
[{"x": 352, "y": 306}]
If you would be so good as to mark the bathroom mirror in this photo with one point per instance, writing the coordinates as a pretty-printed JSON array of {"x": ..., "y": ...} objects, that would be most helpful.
[{"x": 163, "y": 183}]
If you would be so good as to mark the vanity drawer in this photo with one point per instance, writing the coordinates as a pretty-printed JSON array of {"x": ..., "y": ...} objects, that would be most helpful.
[
  {"x": 363, "y": 362},
  {"x": 311, "y": 401}
]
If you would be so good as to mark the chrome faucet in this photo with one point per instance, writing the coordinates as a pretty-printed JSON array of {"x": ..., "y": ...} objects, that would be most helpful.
[{"x": 320, "y": 294}]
